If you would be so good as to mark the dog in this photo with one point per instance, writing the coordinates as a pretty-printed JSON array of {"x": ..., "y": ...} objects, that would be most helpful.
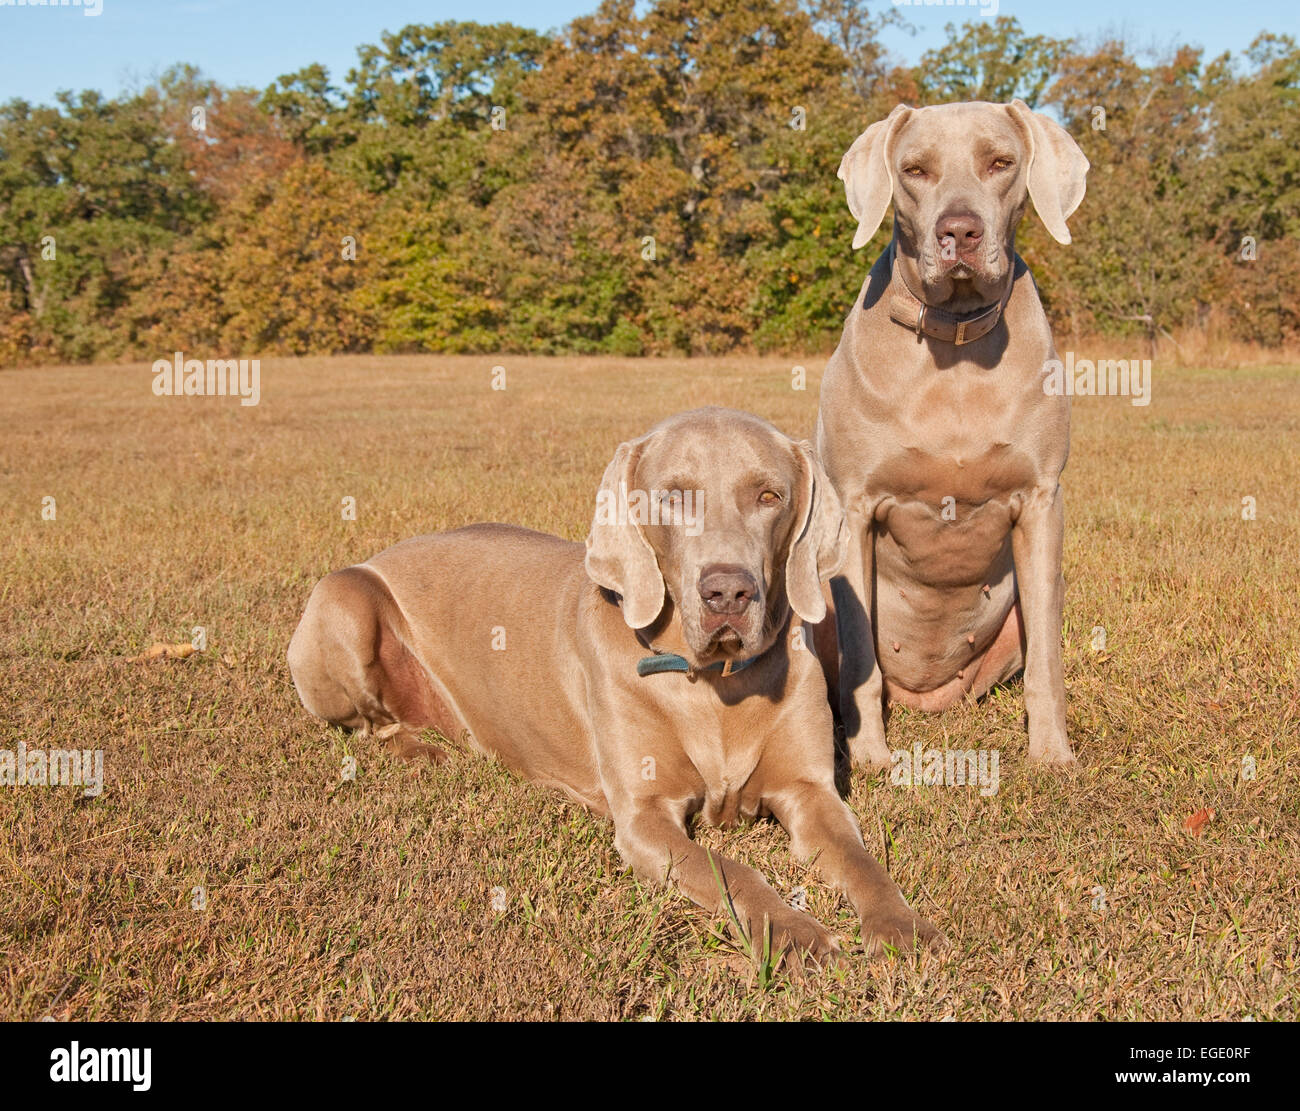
[
  {"x": 936, "y": 430},
  {"x": 660, "y": 673}
]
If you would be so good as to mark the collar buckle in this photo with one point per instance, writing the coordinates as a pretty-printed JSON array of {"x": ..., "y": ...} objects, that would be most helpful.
[{"x": 965, "y": 328}]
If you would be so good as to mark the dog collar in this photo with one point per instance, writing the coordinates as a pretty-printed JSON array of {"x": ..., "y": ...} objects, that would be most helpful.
[
  {"x": 670, "y": 661},
  {"x": 907, "y": 309}
]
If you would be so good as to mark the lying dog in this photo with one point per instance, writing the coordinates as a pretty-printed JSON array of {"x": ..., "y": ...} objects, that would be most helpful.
[
  {"x": 656, "y": 679},
  {"x": 935, "y": 427}
]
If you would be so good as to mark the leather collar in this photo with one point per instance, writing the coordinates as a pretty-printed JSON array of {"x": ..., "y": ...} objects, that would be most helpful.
[{"x": 907, "y": 309}]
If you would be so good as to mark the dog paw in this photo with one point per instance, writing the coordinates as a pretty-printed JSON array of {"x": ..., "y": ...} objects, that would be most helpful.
[
  {"x": 871, "y": 755},
  {"x": 903, "y": 931},
  {"x": 401, "y": 742},
  {"x": 1058, "y": 755},
  {"x": 796, "y": 935}
]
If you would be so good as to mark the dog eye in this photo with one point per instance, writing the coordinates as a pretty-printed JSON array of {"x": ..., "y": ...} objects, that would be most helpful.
[
  {"x": 1001, "y": 164},
  {"x": 913, "y": 171},
  {"x": 769, "y": 497}
]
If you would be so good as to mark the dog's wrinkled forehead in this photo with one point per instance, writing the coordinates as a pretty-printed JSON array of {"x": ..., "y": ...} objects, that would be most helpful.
[
  {"x": 950, "y": 133},
  {"x": 706, "y": 445}
]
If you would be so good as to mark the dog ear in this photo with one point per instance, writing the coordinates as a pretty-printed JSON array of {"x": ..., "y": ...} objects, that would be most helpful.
[
  {"x": 619, "y": 557},
  {"x": 1057, "y": 169},
  {"x": 868, "y": 179},
  {"x": 820, "y": 538}
]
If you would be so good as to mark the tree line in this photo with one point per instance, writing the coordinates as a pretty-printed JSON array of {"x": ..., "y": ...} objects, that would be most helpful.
[{"x": 641, "y": 182}]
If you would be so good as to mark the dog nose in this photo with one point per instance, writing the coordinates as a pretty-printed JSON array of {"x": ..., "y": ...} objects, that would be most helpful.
[
  {"x": 726, "y": 588},
  {"x": 964, "y": 228}
]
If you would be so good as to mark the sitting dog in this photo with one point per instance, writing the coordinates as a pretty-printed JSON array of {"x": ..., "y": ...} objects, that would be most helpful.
[
  {"x": 935, "y": 427},
  {"x": 660, "y": 674}
]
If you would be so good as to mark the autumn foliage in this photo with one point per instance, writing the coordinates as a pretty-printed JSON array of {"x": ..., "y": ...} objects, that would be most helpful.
[{"x": 638, "y": 183}]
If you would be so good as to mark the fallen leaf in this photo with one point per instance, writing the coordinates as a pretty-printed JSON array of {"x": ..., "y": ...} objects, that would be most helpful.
[
  {"x": 162, "y": 651},
  {"x": 1197, "y": 821}
]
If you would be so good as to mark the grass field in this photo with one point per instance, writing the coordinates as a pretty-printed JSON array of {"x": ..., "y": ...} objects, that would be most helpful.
[{"x": 1067, "y": 896}]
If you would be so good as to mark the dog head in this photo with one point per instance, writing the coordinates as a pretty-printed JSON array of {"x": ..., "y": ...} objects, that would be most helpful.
[
  {"x": 959, "y": 176},
  {"x": 716, "y": 516}
]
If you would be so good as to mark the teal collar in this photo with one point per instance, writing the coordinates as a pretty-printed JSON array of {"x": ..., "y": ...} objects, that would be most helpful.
[{"x": 670, "y": 661}]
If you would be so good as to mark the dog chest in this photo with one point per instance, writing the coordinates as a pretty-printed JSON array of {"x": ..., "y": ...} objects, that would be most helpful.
[{"x": 725, "y": 760}]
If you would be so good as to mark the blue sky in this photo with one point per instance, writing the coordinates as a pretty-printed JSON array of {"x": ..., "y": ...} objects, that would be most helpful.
[{"x": 252, "y": 42}]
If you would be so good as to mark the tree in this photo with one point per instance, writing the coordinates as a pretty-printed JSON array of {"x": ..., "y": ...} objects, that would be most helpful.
[
  {"x": 1141, "y": 251},
  {"x": 88, "y": 187},
  {"x": 679, "y": 115},
  {"x": 1255, "y": 146},
  {"x": 855, "y": 31},
  {"x": 990, "y": 60},
  {"x": 307, "y": 108},
  {"x": 294, "y": 258}
]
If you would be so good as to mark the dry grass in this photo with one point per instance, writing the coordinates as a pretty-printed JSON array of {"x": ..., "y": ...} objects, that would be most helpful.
[
  {"x": 374, "y": 898},
  {"x": 1211, "y": 345}
]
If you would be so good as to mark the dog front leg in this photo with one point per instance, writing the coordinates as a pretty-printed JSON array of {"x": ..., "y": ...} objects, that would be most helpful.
[
  {"x": 657, "y": 847},
  {"x": 860, "y": 682},
  {"x": 1037, "y": 539},
  {"x": 823, "y": 828}
]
